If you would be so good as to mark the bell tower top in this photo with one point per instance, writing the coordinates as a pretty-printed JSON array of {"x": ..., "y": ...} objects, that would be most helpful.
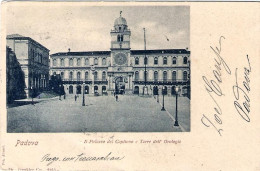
[
  {"x": 120, "y": 23},
  {"x": 120, "y": 35}
]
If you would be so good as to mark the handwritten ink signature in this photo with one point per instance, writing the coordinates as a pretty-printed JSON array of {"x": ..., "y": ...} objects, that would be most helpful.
[
  {"x": 213, "y": 86},
  {"x": 48, "y": 159},
  {"x": 243, "y": 111}
]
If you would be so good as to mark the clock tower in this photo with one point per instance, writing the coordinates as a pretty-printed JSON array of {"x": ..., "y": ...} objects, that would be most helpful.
[
  {"x": 121, "y": 69},
  {"x": 120, "y": 42}
]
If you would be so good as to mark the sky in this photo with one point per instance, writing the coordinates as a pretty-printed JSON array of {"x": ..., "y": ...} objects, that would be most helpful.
[{"x": 87, "y": 28}]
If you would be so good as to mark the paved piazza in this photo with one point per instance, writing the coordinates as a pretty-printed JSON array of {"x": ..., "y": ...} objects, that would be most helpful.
[{"x": 101, "y": 114}]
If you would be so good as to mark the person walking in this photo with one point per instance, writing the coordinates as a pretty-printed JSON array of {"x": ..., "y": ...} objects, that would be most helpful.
[
  {"x": 116, "y": 97},
  {"x": 75, "y": 97}
]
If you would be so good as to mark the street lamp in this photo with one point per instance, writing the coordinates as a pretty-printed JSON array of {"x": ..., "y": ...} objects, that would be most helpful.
[
  {"x": 176, "y": 116},
  {"x": 32, "y": 94},
  {"x": 93, "y": 80},
  {"x": 163, "y": 91},
  {"x": 83, "y": 100}
]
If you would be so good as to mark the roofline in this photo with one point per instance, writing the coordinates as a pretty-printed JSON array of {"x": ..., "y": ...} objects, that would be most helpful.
[
  {"x": 88, "y": 53},
  {"x": 30, "y": 39}
]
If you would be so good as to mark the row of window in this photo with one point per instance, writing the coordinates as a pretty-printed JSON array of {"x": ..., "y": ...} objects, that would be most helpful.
[
  {"x": 85, "y": 89},
  {"x": 37, "y": 57},
  {"x": 62, "y": 63},
  {"x": 86, "y": 75},
  {"x": 136, "y": 76},
  {"x": 165, "y": 60},
  {"x": 165, "y": 75},
  {"x": 104, "y": 61}
]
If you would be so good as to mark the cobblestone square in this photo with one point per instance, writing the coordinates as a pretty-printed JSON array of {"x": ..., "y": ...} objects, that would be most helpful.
[{"x": 101, "y": 114}]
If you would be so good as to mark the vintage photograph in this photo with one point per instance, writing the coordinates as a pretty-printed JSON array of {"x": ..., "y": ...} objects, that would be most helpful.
[{"x": 98, "y": 69}]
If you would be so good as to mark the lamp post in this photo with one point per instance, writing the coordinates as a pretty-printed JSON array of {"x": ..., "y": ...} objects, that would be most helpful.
[
  {"x": 32, "y": 94},
  {"x": 93, "y": 72},
  {"x": 83, "y": 100},
  {"x": 163, "y": 91},
  {"x": 176, "y": 116}
]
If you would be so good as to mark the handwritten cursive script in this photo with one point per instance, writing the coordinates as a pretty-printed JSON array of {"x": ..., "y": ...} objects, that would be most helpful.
[
  {"x": 79, "y": 158},
  {"x": 244, "y": 110},
  {"x": 213, "y": 87}
]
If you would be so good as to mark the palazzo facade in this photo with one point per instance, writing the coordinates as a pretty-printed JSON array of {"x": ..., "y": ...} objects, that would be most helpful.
[
  {"x": 121, "y": 69},
  {"x": 34, "y": 61}
]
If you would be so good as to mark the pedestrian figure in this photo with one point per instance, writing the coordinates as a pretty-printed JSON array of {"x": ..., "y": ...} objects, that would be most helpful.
[
  {"x": 75, "y": 97},
  {"x": 116, "y": 97},
  {"x": 114, "y": 94}
]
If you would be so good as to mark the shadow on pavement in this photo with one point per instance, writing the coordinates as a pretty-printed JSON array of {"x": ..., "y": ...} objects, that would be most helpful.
[{"x": 20, "y": 103}]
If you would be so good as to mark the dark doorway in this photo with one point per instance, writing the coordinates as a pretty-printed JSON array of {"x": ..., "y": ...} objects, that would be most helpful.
[
  {"x": 86, "y": 89},
  {"x": 173, "y": 90},
  {"x": 70, "y": 89},
  {"x": 136, "y": 90},
  {"x": 119, "y": 85},
  {"x": 78, "y": 89},
  {"x": 95, "y": 89}
]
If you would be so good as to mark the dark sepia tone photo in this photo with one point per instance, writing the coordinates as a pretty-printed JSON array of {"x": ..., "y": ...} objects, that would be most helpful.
[{"x": 98, "y": 69}]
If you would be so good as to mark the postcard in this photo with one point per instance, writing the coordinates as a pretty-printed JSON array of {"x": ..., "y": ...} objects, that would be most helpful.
[{"x": 130, "y": 86}]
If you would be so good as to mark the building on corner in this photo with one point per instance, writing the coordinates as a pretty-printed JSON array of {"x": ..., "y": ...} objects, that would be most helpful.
[{"x": 34, "y": 61}]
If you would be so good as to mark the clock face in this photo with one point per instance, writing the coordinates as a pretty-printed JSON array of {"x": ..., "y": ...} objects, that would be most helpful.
[{"x": 120, "y": 58}]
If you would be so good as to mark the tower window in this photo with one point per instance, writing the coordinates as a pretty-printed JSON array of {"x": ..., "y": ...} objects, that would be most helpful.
[
  {"x": 71, "y": 62},
  {"x": 62, "y": 75},
  {"x": 95, "y": 75},
  {"x": 86, "y": 75},
  {"x": 136, "y": 75},
  {"x": 78, "y": 61},
  {"x": 86, "y": 61},
  {"x": 155, "y": 61},
  {"x": 104, "y": 61},
  {"x": 71, "y": 76},
  {"x": 185, "y": 60},
  {"x": 165, "y": 76},
  {"x": 155, "y": 76},
  {"x": 165, "y": 61},
  {"x": 174, "y": 75},
  {"x": 174, "y": 60},
  {"x": 185, "y": 76},
  {"x": 104, "y": 76},
  {"x": 145, "y": 60},
  {"x": 62, "y": 62},
  {"x": 96, "y": 61},
  {"x": 54, "y": 62},
  {"x": 120, "y": 38},
  {"x": 136, "y": 61},
  {"x": 78, "y": 76}
]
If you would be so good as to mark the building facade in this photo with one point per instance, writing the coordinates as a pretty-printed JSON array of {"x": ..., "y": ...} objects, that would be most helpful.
[
  {"x": 15, "y": 83},
  {"x": 121, "y": 69},
  {"x": 34, "y": 61}
]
